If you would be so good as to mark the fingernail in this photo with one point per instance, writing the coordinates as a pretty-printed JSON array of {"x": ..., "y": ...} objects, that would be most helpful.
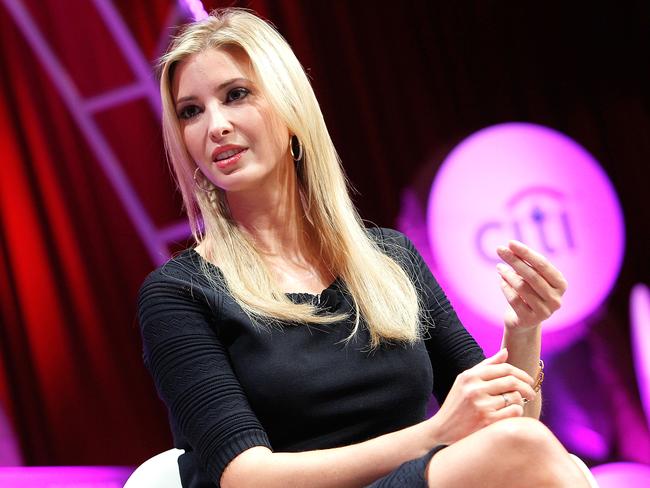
[{"x": 502, "y": 267}]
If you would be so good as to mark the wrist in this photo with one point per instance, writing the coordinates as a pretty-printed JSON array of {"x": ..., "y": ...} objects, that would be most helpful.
[
  {"x": 516, "y": 337},
  {"x": 435, "y": 432},
  {"x": 518, "y": 330},
  {"x": 524, "y": 349}
]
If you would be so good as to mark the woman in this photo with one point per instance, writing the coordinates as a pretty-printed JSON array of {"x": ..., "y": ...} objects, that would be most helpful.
[{"x": 294, "y": 347}]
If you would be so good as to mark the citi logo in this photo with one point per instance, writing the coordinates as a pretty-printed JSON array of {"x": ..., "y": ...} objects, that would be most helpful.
[{"x": 537, "y": 216}]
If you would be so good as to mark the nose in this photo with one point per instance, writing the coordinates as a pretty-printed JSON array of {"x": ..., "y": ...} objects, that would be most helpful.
[{"x": 220, "y": 125}]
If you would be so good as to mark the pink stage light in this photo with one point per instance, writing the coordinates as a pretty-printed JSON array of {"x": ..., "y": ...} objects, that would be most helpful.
[
  {"x": 64, "y": 477},
  {"x": 640, "y": 330},
  {"x": 195, "y": 8},
  {"x": 622, "y": 475},
  {"x": 531, "y": 183}
]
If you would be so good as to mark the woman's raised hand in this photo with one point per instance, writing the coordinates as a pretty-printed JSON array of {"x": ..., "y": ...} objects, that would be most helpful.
[
  {"x": 531, "y": 284},
  {"x": 490, "y": 391}
]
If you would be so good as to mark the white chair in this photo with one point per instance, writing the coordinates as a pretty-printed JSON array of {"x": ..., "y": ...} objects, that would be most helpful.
[{"x": 161, "y": 471}]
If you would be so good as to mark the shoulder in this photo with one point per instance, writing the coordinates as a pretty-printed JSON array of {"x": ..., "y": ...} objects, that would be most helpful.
[
  {"x": 183, "y": 269},
  {"x": 385, "y": 236},
  {"x": 178, "y": 297},
  {"x": 182, "y": 275},
  {"x": 401, "y": 249},
  {"x": 393, "y": 243}
]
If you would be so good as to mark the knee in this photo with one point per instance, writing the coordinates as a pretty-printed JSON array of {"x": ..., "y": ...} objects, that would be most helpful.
[
  {"x": 523, "y": 440},
  {"x": 523, "y": 436}
]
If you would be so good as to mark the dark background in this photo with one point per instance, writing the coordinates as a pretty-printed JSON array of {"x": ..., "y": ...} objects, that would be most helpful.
[{"x": 400, "y": 83}]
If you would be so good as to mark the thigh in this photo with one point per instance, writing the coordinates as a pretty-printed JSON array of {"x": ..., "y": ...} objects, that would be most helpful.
[{"x": 510, "y": 452}]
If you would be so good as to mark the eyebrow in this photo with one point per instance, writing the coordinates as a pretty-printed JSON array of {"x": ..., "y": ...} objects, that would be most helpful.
[{"x": 219, "y": 88}]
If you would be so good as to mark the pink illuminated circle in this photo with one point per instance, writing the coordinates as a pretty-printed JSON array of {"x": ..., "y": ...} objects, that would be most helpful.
[
  {"x": 640, "y": 331},
  {"x": 531, "y": 183},
  {"x": 618, "y": 475}
]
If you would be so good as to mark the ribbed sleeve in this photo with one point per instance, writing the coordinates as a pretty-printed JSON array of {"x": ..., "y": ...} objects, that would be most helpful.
[{"x": 192, "y": 371}]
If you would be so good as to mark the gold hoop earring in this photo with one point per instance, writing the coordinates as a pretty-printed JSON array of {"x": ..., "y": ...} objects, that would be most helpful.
[
  {"x": 196, "y": 182},
  {"x": 295, "y": 146}
]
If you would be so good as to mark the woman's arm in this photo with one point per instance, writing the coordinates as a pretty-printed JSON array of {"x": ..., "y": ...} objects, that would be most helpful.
[
  {"x": 191, "y": 369},
  {"x": 472, "y": 403},
  {"x": 355, "y": 465},
  {"x": 533, "y": 288}
]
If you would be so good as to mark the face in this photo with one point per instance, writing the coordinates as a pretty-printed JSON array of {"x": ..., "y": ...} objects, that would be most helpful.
[{"x": 228, "y": 126}]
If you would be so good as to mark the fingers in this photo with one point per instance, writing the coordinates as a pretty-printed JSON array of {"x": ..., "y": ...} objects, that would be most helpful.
[
  {"x": 497, "y": 377},
  {"x": 531, "y": 284},
  {"x": 512, "y": 410},
  {"x": 500, "y": 357},
  {"x": 535, "y": 261},
  {"x": 526, "y": 274},
  {"x": 517, "y": 301},
  {"x": 505, "y": 369},
  {"x": 504, "y": 400},
  {"x": 533, "y": 290},
  {"x": 511, "y": 384}
]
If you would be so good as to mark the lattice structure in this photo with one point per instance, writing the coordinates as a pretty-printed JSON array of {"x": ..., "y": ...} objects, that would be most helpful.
[{"x": 84, "y": 111}]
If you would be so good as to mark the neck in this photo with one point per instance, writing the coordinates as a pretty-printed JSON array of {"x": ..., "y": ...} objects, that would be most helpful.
[{"x": 273, "y": 216}]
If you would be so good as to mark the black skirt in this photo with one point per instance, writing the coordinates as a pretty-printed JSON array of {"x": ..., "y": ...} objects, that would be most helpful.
[{"x": 408, "y": 475}]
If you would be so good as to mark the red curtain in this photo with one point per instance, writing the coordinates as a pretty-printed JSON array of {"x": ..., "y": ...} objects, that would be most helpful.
[
  {"x": 399, "y": 86},
  {"x": 72, "y": 375}
]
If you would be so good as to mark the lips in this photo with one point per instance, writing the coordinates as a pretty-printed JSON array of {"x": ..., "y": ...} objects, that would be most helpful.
[
  {"x": 224, "y": 156},
  {"x": 227, "y": 154}
]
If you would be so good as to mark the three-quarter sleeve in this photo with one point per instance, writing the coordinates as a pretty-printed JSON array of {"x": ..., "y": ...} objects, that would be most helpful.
[
  {"x": 451, "y": 348},
  {"x": 192, "y": 371}
]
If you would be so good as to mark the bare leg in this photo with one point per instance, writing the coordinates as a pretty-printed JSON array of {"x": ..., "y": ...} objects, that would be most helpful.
[{"x": 515, "y": 452}]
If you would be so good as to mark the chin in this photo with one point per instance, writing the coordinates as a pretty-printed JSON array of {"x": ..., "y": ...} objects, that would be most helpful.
[
  {"x": 240, "y": 180},
  {"x": 235, "y": 186}
]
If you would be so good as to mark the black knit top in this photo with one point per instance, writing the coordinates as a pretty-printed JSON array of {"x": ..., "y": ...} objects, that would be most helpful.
[{"x": 230, "y": 384}]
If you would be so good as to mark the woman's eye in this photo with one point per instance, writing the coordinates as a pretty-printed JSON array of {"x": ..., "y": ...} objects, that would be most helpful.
[
  {"x": 237, "y": 94},
  {"x": 188, "y": 112}
]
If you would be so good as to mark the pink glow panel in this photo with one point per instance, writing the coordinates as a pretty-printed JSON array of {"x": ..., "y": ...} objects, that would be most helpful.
[
  {"x": 531, "y": 183},
  {"x": 622, "y": 475},
  {"x": 64, "y": 477},
  {"x": 640, "y": 330},
  {"x": 196, "y": 8}
]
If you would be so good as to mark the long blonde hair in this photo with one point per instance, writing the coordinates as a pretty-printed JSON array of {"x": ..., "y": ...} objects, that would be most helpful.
[{"x": 381, "y": 290}]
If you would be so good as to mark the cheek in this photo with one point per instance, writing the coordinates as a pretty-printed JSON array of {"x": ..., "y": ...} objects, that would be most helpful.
[
  {"x": 192, "y": 139},
  {"x": 282, "y": 142},
  {"x": 273, "y": 129},
  {"x": 279, "y": 137}
]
